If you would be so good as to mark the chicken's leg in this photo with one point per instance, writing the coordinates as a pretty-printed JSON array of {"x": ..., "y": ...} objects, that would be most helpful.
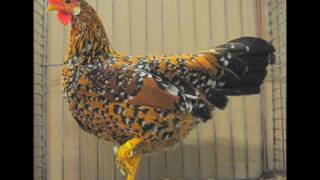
[{"x": 127, "y": 161}]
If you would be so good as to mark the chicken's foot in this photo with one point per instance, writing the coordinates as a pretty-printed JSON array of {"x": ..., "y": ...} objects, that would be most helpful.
[{"x": 127, "y": 161}]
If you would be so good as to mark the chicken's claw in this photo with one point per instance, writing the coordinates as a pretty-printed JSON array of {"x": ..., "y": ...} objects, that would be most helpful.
[
  {"x": 126, "y": 160},
  {"x": 115, "y": 150}
]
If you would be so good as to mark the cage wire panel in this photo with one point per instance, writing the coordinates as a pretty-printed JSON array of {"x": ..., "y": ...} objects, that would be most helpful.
[
  {"x": 277, "y": 33},
  {"x": 231, "y": 146},
  {"x": 39, "y": 75}
]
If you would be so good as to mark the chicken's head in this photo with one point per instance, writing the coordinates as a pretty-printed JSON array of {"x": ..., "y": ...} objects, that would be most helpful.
[{"x": 66, "y": 9}]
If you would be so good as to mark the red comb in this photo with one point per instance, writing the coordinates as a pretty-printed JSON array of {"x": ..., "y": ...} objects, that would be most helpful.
[
  {"x": 59, "y": 1},
  {"x": 54, "y": 1}
]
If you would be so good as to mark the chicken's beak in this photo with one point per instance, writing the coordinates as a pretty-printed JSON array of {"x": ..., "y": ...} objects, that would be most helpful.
[{"x": 51, "y": 8}]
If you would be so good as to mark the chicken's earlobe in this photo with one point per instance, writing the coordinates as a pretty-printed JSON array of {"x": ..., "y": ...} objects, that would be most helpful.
[{"x": 76, "y": 10}]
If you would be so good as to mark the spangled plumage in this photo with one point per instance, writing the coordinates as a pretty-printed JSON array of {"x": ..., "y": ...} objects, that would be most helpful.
[{"x": 153, "y": 100}]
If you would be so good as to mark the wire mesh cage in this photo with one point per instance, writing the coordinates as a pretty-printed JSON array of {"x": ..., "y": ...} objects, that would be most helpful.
[
  {"x": 220, "y": 149},
  {"x": 40, "y": 57},
  {"x": 277, "y": 17}
]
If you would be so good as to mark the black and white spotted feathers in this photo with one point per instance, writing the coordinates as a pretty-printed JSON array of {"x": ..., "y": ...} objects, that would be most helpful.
[{"x": 243, "y": 64}]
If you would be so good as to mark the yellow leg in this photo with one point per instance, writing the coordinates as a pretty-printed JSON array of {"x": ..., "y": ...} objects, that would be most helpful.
[
  {"x": 127, "y": 161},
  {"x": 134, "y": 171}
]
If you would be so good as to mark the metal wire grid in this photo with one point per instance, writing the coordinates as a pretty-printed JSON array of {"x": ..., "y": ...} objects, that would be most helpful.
[
  {"x": 277, "y": 37},
  {"x": 277, "y": 19},
  {"x": 39, "y": 85}
]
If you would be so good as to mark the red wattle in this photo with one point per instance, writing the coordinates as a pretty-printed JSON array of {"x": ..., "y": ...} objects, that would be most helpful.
[{"x": 64, "y": 17}]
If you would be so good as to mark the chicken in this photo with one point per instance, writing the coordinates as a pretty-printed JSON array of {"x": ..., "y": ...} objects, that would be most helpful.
[{"x": 149, "y": 103}]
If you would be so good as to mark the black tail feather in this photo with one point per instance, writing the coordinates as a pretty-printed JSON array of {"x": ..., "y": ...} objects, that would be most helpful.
[
  {"x": 243, "y": 64},
  {"x": 245, "y": 70},
  {"x": 246, "y": 46}
]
